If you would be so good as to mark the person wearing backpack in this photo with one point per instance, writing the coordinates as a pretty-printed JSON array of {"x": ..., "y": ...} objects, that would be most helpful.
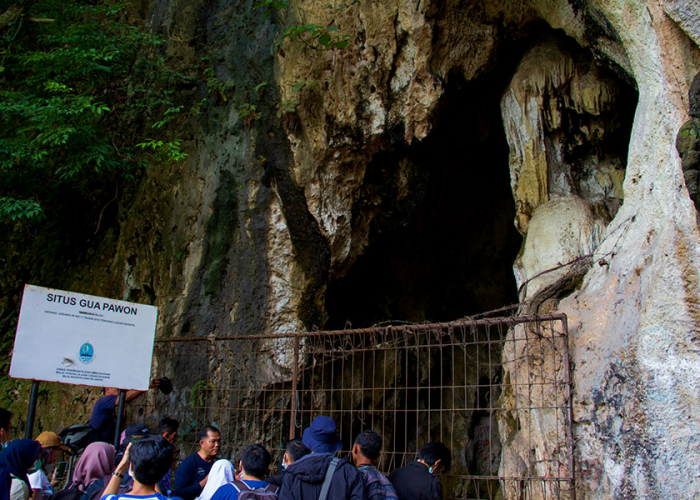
[
  {"x": 294, "y": 450},
  {"x": 418, "y": 481},
  {"x": 320, "y": 475},
  {"x": 147, "y": 460},
  {"x": 254, "y": 465},
  {"x": 365, "y": 453}
]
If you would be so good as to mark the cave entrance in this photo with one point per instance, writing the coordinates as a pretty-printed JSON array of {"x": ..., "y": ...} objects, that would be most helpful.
[
  {"x": 441, "y": 246},
  {"x": 441, "y": 241}
]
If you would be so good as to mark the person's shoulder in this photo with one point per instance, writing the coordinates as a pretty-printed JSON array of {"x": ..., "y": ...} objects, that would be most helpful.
[
  {"x": 252, "y": 483},
  {"x": 190, "y": 459},
  {"x": 224, "y": 491},
  {"x": 106, "y": 401}
]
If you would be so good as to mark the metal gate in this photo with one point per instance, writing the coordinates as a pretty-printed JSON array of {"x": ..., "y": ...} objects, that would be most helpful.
[{"x": 496, "y": 391}]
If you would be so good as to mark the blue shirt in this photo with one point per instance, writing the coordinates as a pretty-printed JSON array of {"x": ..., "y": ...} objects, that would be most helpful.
[
  {"x": 103, "y": 417},
  {"x": 126, "y": 496},
  {"x": 187, "y": 477},
  {"x": 229, "y": 491}
]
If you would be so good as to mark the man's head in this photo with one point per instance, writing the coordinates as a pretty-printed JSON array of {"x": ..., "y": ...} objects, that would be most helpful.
[
  {"x": 5, "y": 425},
  {"x": 168, "y": 429},
  {"x": 209, "y": 442},
  {"x": 367, "y": 447},
  {"x": 111, "y": 391},
  {"x": 255, "y": 461},
  {"x": 436, "y": 456},
  {"x": 294, "y": 451},
  {"x": 151, "y": 458},
  {"x": 322, "y": 436}
]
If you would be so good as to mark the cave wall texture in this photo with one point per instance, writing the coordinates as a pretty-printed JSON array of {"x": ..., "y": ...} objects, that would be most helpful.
[{"x": 249, "y": 233}]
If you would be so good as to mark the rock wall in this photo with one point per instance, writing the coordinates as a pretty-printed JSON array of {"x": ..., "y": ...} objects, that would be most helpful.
[{"x": 246, "y": 235}]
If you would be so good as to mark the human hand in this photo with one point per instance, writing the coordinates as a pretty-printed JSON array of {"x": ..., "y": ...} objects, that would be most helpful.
[{"x": 123, "y": 466}]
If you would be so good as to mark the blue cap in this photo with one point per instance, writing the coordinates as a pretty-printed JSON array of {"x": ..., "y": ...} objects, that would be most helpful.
[{"x": 322, "y": 436}]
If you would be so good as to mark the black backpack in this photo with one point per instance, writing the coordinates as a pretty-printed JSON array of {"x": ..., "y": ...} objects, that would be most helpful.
[
  {"x": 70, "y": 493},
  {"x": 245, "y": 492},
  {"x": 77, "y": 437}
]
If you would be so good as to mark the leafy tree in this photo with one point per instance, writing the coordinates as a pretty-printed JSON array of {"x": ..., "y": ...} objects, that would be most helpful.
[{"x": 80, "y": 89}]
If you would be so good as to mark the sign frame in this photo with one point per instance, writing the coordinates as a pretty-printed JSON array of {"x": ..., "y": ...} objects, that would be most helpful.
[{"x": 81, "y": 339}]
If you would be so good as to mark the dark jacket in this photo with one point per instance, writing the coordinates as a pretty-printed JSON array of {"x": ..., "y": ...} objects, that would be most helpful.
[
  {"x": 187, "y": 477},
  {"x": 277, "y": 479},
  {"x": 304, "y": 478},
  {"x": 414, "y": 482}
]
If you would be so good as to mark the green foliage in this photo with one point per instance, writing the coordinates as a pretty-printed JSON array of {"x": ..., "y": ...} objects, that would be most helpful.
[
  {"x": 289, "y": 106},
  {"x": 271, "y": 6},
  {"x": 77, "y": 94},
  {"x": 164, "y": 151},
  {"x": 198, "y": 393},
  {"x": 313, "y": 35},
  {"x": 249, "y": 113},
  {"x": 13, "y": 209},
  {"x": 214, "y": 85},
  {"x": 317, "y": 36}
]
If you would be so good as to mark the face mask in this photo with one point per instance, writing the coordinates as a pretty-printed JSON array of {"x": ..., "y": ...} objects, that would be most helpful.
[
  {"x": 131, "y": 471},
  {"x": 431, "y": 469},
  {"x": 284, "y": 464}
]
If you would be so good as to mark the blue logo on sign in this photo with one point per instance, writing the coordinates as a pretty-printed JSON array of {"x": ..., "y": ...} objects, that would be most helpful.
[{"x": 86, "y": 352}]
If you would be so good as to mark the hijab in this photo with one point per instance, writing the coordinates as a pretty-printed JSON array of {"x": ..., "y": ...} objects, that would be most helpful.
[
  {"x": 221, "y": 473},
  {"x": 97, "y": 462},
  {"x": 19, "y": 457}
]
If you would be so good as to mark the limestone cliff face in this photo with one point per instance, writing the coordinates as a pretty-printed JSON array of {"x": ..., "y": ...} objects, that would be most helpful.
[
  {"x": 247, "y": 236},
  {"x": 271, "y": 211}
]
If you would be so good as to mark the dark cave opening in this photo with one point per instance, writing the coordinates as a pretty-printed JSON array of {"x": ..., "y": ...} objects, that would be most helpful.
[
  {"x": 442, "y": 243},
  {"x": 445, "y": 250}
]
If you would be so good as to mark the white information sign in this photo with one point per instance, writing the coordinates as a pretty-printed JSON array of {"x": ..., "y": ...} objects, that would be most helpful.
[{"x": 81, "y": 339}]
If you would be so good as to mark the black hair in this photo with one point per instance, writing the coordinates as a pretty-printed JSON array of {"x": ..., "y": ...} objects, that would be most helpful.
[
  {"x": 432, "y": 452},
  {"x": 168, "y": 425},
  {"x": 370, "y": 444},
  {"x": 44, "y": 456},
  {"x": 206, "y": 430},
  {"x": 151, "y": 458},
  {"x": 255, "y": 460},
  {"x": 297, "y": 449},
  {"x": 5, "y": 418}
]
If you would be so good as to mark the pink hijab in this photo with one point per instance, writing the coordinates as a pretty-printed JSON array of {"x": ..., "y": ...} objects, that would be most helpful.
[{"x": 97, "y": 462}]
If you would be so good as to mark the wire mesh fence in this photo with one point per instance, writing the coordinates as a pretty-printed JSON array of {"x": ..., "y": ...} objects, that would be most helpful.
[{"x": 496, "y": 392}]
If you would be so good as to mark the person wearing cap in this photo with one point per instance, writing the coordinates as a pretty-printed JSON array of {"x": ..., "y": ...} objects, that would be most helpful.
[
  {"x": 304, "y": 478},
  {"x": 39, "y": 482}
]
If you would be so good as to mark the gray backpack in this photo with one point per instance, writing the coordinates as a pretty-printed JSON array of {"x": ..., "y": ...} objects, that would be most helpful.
[{"x": 245, "y": 492}]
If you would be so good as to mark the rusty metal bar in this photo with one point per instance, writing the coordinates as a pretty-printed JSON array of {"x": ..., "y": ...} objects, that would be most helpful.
[
  {"x": 570, "y": 407},
  {"x": 361, "y": 331},
  {"x": 295, "y": 377},
  {"x": 413, "y": 383}
]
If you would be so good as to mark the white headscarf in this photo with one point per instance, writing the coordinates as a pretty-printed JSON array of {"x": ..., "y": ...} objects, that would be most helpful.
[{"x": 221, "y": 473}]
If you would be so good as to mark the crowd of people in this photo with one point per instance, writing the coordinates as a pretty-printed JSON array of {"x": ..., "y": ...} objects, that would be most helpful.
[{"x": 142, "y": 468}]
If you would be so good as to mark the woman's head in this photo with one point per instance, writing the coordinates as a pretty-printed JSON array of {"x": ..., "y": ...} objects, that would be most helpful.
[
  {"x": 97, "y": 462},
  {"x": 19, "y": 457}
]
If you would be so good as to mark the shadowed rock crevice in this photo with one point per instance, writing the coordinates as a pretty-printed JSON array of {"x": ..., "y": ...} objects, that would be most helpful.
[{"x": 441, "y": 239}]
